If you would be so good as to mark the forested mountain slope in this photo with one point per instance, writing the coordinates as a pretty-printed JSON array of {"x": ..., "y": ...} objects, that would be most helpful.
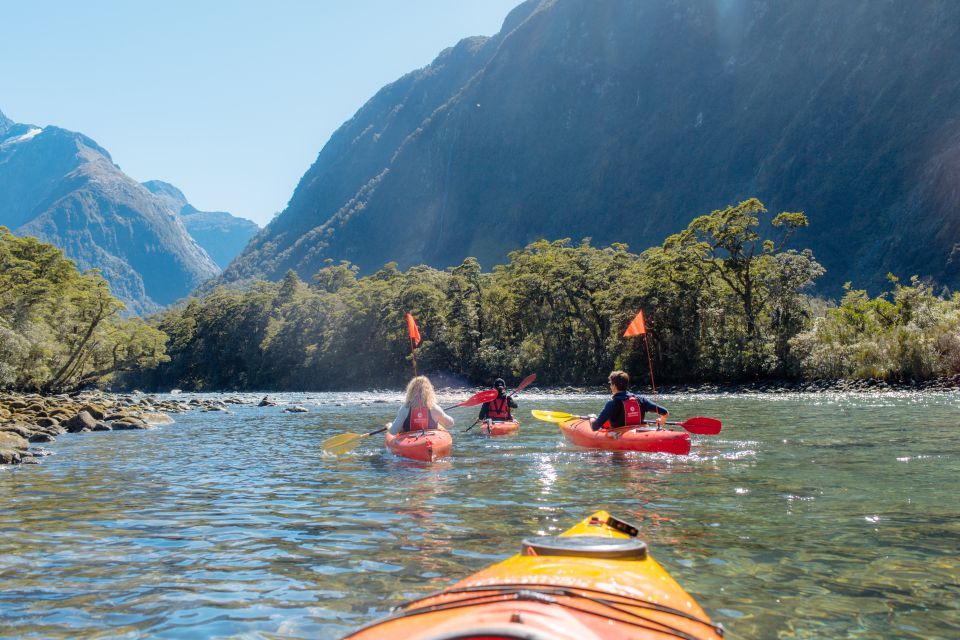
[
  {"x": 64, "y": 188},
  {"x": 622, "y": 120}
]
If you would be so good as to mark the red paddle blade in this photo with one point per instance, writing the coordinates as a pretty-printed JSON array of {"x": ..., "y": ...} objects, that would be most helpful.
[
  {"x": 702, "y": 426},
  {"x": 479, "y": 398},
  {"x": 526, "y": 382}
]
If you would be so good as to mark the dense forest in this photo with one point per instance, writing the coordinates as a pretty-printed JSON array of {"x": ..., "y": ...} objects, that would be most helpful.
[
  {"x": 724, "y": 301},
  {"x": 61, "y": 329}
]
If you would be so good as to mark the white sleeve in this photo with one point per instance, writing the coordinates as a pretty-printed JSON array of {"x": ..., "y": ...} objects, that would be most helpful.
[
  {"x": 440, "y": 416},
  {"x": 397, "y": 425}
]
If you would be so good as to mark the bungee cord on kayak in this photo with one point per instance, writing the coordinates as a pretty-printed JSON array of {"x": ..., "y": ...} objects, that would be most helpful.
[{"x": 569, "y": 589}]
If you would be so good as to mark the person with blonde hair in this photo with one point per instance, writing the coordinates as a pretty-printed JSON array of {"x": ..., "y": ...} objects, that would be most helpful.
[{"x": 420, "y": 411}]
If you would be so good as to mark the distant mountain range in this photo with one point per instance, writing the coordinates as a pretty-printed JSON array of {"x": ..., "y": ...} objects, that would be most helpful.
[
  {"x": 624, "y": 119},
  {"x": 64, "y": 188},
  {"x": 222, "y": 235}
]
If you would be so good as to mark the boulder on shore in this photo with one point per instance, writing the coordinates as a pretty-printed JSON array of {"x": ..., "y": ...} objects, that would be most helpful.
[
  {"x": 83, "y": 421},
  {"x": 13, "y": 448}
]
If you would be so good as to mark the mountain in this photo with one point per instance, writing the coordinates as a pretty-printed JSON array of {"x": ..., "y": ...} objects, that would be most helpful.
[
  {"x": 623, "y": 120},
  {"x": 64, "y": 188},
  {"x": 221, "y": 234}
]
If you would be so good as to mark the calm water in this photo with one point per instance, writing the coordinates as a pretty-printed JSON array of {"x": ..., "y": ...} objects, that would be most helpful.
[{"x": 809, "y": 516}]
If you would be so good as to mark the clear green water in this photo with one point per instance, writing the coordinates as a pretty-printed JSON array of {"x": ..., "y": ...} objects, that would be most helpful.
[{"x": 809, "y": 516}]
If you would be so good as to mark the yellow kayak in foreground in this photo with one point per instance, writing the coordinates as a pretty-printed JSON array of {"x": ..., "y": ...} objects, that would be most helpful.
[{"x": 596, "y": 580}]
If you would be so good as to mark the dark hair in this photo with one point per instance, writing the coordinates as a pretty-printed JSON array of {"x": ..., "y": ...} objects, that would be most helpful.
[{"x": 619, "y": 379}]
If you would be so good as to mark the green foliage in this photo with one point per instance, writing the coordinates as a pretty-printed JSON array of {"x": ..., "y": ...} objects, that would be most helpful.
[
  {"x": 907, "y": 333},
  {"x": 721, "y": 302},
  {"x": 756, "y": 287},
  {"x": 60, "y": 329}
]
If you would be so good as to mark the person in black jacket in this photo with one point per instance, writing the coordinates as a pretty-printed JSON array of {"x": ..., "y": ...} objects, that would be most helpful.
[
  {"x": 498, "y": 409},
  {"x": 625, "y": 408}
]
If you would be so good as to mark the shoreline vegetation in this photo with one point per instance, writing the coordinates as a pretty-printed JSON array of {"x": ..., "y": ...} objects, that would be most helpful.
[{"x": 728, "y": 305}]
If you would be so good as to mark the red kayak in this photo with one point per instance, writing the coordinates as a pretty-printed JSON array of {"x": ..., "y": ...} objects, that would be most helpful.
[
  {"x": 421, "y": 445},
  {"x": 578, "y": 432},
  {"x": 497, "y": 428}
]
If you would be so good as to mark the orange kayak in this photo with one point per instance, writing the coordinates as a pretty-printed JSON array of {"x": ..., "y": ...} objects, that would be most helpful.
[
  {"x": 595, "y": 581},
  {"x": 499, "y": 428},
  {"x": 578, "y": 432},
  {"x": 421, "y": 445}
]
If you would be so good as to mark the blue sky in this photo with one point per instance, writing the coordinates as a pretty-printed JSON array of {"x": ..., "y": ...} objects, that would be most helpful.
[{"x": 230, "y": 101}]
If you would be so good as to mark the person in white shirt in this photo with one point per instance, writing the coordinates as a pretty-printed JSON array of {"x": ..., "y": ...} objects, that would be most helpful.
[{"x": 420, "y": 411}]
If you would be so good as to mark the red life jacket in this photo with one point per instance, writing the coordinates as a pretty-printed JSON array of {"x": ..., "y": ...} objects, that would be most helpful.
[
  {"x": 419, "y": 419},
  {"x": 632, "y": 415},
  {"x": 499, "y": 409}
]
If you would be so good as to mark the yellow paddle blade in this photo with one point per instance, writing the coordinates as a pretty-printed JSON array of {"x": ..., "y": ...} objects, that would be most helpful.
[
  {"x": 334, "y": 444},
  {"x": 343, "y": 447},
  {"x": 553, "y": 416}
]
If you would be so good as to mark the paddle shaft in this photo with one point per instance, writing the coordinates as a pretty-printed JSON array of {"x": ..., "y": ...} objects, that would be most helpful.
[{"x": 526, "y": 382}]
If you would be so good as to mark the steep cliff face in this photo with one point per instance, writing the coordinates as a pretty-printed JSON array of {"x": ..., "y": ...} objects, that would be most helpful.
[
  {"x": 623, "y": 120},
  {"x": 222, "y": 235},
  {"x": 62, "y": 187}
]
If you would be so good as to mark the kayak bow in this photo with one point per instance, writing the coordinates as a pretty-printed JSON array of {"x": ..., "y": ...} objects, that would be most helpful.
[
  {"x": 499, "y": 428},
  {"x": 595, "y": 581}
]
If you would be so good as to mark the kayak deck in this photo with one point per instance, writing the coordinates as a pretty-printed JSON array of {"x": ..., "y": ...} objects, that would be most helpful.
[
  {"x": 499, "y": 428},
  {"x": 426, "y": 446},
  {"x": 594, "y": 581},
  {"x": 580, "y": 433}
]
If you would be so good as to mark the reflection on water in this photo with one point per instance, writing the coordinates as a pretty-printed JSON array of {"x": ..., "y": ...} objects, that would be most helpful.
[{"x": 808, "y": 517}]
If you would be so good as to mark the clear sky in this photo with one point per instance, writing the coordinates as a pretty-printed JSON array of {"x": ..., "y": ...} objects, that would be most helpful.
[{"x": 229, "y": 100}]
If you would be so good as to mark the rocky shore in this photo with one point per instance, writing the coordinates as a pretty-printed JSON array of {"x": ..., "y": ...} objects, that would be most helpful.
[
  {"x": 867, "y": 385},
  {"x": 27, "y": 419}
]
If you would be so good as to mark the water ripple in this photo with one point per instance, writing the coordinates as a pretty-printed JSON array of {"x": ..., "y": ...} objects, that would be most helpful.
[{"x": 827, "y": 515}]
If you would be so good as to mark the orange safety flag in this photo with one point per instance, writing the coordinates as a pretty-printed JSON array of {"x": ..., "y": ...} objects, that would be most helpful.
[
  {"x": 637, "y": 326},
  {"x": 412, "y": 330}
]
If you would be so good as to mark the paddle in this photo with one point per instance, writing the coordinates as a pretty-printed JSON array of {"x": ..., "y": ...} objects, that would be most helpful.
[
  {"x": 475, "y": 399},
  {"x": 699, "y": 425},
  {"x": 346, "y": 441},
  {"x": 555, "y": 416},
  {"x": 526, "y": 382}
]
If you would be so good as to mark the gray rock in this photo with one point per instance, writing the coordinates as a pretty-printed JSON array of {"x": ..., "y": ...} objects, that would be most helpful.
[
  {"x": 129, "y": 423},
  {"x": 12, "y": 448},
  {"x": 83, "y": 421},
  {"x": 102, "y": 426}
]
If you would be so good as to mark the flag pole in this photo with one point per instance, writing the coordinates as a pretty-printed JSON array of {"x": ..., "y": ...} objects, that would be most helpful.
[
  {"x": 414, "y": 357},
  {"x": 639, "y": 327},
  {"x": 653, "y": 384}
]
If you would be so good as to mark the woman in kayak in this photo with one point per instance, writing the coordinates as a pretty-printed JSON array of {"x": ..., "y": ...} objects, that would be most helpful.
[
  {"x": 624, "y": 408},
  {"x": 498, "y": 409},
  {"x": 420, "y": 411}
]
